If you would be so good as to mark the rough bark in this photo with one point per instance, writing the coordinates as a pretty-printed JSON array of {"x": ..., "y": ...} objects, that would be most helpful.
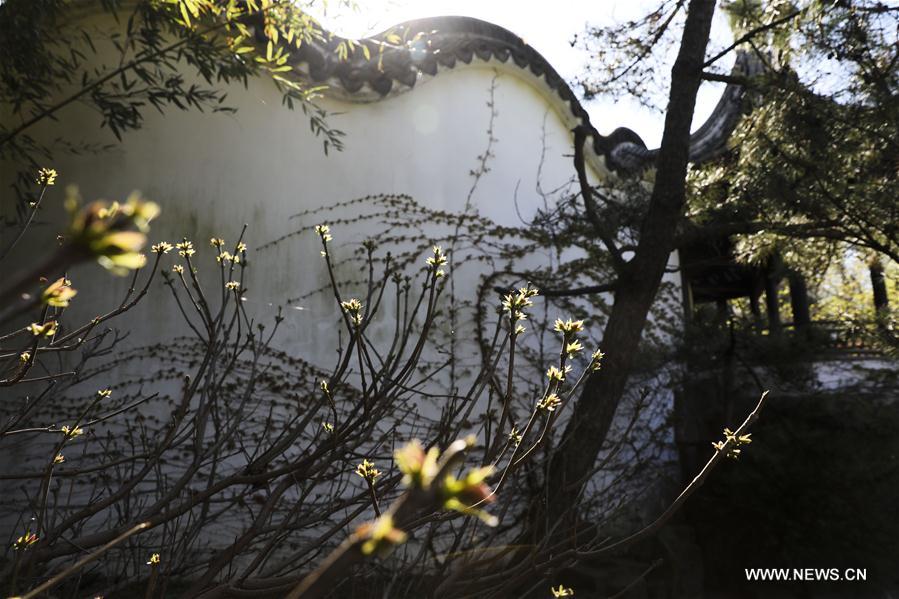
[{"x": 594, "y": 411}]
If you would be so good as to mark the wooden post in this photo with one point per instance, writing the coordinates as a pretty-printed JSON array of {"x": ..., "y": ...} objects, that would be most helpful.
[
  {"x": 879, "y": 286},
  {"x": 758, "y": 287},
  {"x": 721, "y": 312},
  {"x": 687, "y": 297},
  {"x": 772, "y": 305},
  {"x": 799, "y": 301}
]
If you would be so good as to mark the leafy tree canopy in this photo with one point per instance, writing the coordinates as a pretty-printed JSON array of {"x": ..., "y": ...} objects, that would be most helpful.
[
  {"x": 811, "y": 171},
  {"x": 53, "y": 58}
]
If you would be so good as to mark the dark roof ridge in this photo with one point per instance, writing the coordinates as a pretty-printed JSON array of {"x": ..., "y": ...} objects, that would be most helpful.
[{"x": 434, "y": 43}]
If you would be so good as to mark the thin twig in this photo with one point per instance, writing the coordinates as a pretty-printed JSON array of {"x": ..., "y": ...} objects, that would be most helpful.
[{"x": 85, "y": 561}]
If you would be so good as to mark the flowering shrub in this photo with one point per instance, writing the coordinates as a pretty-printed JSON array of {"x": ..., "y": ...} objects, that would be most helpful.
[{"x": 221, "y": 409}]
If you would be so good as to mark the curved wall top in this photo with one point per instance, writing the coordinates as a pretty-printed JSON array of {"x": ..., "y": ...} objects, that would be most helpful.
[{"x": 438, "y": 44}]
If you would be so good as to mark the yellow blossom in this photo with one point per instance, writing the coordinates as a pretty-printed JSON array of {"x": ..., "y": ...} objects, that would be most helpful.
[
  {"x": 163, "y": 247},
  {"x": 108, "y": 211},
  {"x": 154, "y": 560},
  {"x": 556, "y": 374},
  {"x": 569, "y": 327},
  {"x": 438, "y": 259},
  {"x": 59, "y": 459},
  {"x": 562, "y": 591},
  {"x": 324, "y": 232},
  {"x": 106, "y": 231},
  {"x": 25, "y": 541},
  {"x": 46, "y": 176},
  {"x": 515, "y": 436},
  {"x": 47, "y": 329},
  {"x": 573, "y": 347},
  {"x": 368, "y": 471},
  {"x": 515, "y": 303},
  {"x": 380, "y": 536},
  {"x": 58, "y": 293},
  {"x": 351, "y": 305},
  {"x": 71, "y": 433},
  {"x": 418, "y": 468},
  {"x": 353, "y": 308},
  {"x": 470, "y": 490},
  {"x": 733, "y": 442},
  {"x": 549, "y": 403},
  {"x": 185, "y": 249}
]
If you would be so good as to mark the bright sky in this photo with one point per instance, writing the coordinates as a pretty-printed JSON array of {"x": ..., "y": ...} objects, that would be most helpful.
[{"x": 547, "y": 26}]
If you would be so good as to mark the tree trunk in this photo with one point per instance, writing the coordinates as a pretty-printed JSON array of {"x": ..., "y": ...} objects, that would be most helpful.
[{"x": 593, "y": 413}]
